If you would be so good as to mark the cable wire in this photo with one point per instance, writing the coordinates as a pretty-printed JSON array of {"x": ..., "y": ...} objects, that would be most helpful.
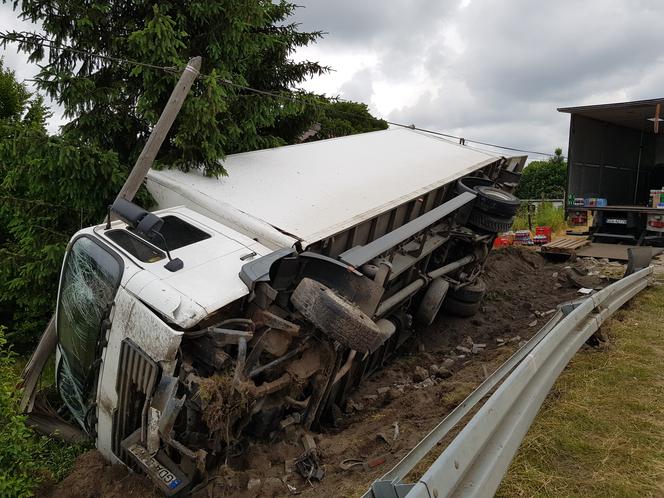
[{"x": 38, "y": 40}]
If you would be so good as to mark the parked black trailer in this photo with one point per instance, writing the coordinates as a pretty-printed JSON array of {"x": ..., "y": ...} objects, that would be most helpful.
[{"x": 616, "y": 157}]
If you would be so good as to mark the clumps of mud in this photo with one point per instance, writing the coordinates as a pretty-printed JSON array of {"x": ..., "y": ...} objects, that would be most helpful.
[
  {"x": 94, "y": 477},
  {"x": 221, "y": 403}
]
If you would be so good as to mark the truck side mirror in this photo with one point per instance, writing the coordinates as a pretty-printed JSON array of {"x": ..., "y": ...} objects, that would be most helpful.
[
  {"x": 138, "y": 218},
  {"x": 174, "y": 264}
]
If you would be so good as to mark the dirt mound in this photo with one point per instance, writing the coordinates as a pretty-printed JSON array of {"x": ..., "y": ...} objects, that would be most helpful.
[{"x": 94, "y": 477}]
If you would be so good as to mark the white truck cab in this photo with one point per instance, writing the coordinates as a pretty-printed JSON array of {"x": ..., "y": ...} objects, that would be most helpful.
[{"x": 114, "y": 275}]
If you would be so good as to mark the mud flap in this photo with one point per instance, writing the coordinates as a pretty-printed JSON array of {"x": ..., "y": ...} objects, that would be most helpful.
[
  {"x": 163, "y": 472},
  {"x": 637, "y": 259}
]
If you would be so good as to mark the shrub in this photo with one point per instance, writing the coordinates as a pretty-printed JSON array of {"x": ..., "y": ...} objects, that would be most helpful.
[
  {"x": 26, "y": 459},
  {"x": 545, "y": 215},
  {"x": 544, "y": 179},
  {"x": 19, "y": 448}
]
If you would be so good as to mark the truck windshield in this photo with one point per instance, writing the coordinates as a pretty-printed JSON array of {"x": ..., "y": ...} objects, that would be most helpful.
[{"x": 90, "y": 278}]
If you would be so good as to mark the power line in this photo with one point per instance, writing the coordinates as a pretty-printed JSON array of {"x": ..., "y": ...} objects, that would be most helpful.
[
  {"x": 464, "y": 140},
  {"x": 37, "y": 40}
]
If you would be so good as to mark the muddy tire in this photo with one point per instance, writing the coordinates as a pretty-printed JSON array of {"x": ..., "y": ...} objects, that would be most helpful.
[
  {"x": 459, "y": 308},
  {"x": 472, "y": 293},
  {"x": 496, "y": 202},
  {"x": 489, "y": 223},
  {"x": 336, "y": 317},
  {"x": 432, "y": 301}
]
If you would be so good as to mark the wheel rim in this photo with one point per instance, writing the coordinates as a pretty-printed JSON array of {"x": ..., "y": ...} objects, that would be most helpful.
[{"x": 501, "y": 195}]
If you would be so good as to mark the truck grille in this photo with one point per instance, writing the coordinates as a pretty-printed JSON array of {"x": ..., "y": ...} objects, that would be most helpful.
[{"x": 137, "y": 377}]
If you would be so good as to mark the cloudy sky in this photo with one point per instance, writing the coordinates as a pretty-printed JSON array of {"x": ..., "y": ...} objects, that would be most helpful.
[{"x": 485, "y": 69}]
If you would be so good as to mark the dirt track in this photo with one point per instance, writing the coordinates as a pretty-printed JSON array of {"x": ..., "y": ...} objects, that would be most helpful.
[{"x": 402, "y": 400}]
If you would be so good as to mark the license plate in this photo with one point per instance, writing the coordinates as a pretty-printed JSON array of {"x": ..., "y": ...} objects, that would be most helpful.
[
  {"x": 161, "y": 469},
  {"x": 616, "y": 221}
]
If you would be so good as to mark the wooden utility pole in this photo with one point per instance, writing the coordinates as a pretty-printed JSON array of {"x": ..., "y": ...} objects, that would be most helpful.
[
  {"x": 160, "y": 130},
  {"x": 48, "y": 341},
  {"x": 656, "y": 120}
]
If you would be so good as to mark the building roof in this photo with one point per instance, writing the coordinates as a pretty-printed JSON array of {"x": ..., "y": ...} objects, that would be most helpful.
[
  {"x": 633, "y": 114},
  {"x": 314, "y": 190}
]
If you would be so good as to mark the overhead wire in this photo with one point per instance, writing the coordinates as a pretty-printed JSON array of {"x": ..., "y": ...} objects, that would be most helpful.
[
  {"x": 478, "y": 142},
  {"x": 38, "y": 40}
]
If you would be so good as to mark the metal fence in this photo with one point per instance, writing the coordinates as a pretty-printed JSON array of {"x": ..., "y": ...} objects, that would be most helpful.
[
  {"x": 475, "y": 462},
  {"x": 558, "y": 203}
]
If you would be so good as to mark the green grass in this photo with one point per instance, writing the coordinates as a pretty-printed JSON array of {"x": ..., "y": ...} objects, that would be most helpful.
[
  {"x": 547, "y": 215},
  {"x": 601, "y": 430}
]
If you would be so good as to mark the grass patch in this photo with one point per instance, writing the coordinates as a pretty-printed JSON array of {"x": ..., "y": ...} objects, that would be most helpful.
[
  {"x": 600, "y": 432},
  {"x": 546, "y": 215}
]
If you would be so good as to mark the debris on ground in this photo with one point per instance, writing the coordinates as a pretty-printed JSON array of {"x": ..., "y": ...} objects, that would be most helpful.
[
  {"x": 308, "y": 465},
  {"x": 478, "y": 348},
  {"x": 253, "y": 483},
  {"x": 420, "y": 374},
  {"x": 351, "y": 463}
]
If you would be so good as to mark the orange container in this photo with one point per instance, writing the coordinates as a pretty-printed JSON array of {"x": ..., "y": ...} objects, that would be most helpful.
[{"x": 502, "y": 241}]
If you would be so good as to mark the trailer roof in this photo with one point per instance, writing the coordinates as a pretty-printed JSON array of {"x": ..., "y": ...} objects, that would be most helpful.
[
  {"x": 314, "y": 190},
  {"x": 633, "y": 114}
]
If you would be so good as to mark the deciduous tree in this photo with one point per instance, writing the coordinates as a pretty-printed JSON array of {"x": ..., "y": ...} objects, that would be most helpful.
[{"x": 544, "y": 179}]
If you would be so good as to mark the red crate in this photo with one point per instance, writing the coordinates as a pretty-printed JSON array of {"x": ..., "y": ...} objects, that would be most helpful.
[
  {"x": 546, "y": 231},
  {"x": 502, "y": 241}
]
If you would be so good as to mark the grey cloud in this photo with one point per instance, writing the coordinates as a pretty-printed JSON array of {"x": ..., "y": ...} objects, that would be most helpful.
[
  {"x": 391, "y": 26},
  {"x": 522, "y": 60},
  {"x": 358, "y": 88},
  {"x": 557, "y": 49}
]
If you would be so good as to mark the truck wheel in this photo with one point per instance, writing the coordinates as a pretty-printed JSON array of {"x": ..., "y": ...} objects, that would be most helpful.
[
  {"x": 337, "y": 317},
  {"x": 472, "y": 293},
  {"x": 469, "y": 183},
  {"x": 495, "y": 201},
  {"x": 489, "y": 223},
  {"x": 432, "y": 301},
  {"x": 459, "y": 308}
]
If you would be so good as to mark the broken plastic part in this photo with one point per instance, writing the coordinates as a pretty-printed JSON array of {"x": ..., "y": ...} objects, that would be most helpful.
[{"x": 153, "y": 431}]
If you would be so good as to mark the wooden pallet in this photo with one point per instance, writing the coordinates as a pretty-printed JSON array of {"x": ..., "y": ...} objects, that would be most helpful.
[{"x": 565, "y": 245}]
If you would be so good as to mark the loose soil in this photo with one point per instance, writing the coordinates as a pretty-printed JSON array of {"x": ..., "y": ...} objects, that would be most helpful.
[
  {"x": 94, "y": 477},
  {"x": 393, "y": 409}
]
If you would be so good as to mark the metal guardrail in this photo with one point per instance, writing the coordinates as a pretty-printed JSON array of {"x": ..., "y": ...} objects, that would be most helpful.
[{"x": 475, "y": 462}]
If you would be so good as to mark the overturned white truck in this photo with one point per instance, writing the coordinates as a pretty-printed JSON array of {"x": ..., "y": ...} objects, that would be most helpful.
[{"x": 267, "y": 295}]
